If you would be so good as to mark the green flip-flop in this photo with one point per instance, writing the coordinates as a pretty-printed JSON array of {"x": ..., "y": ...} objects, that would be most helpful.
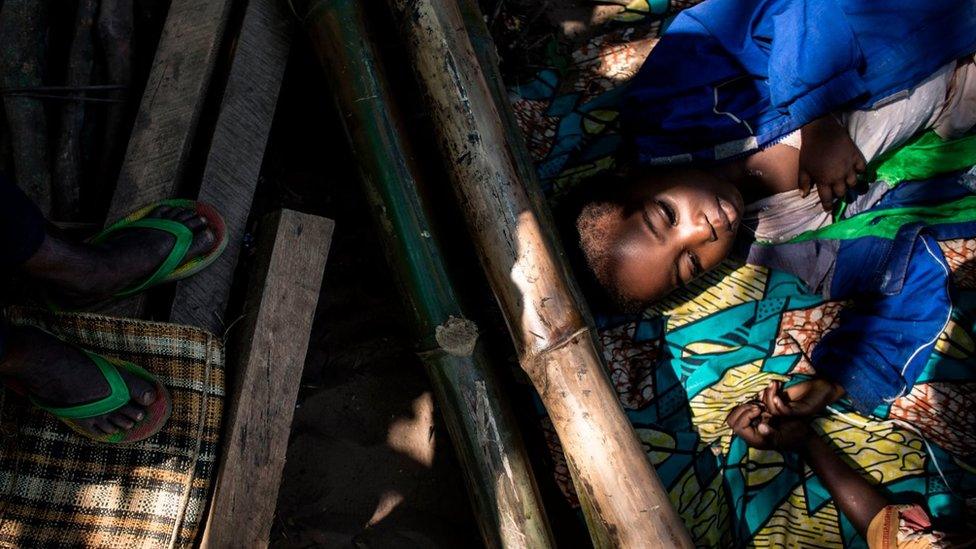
[
  {"x": 156, "y": 416},
  {"x": 175, "y": 266}
]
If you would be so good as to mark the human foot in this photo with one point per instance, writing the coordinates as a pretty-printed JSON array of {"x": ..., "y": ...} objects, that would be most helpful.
[
  {"x": 59, "y": 375},
  {"x": 83, "y": 273}
]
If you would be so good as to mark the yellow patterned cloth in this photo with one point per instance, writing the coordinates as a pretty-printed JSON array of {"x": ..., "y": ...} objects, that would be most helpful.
[
  {"x": 682, "y": 367},
  {"x": 61, "y": 490}
]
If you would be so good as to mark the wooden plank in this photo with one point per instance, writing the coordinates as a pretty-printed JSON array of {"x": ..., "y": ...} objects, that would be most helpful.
[
  {"x": 167, "y": 119},
  {"x": 268, "y": 366},
  {"x": 236, "y": 153}
]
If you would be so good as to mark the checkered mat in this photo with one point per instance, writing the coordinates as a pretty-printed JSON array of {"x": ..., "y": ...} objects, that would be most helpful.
[
  {"x": 60, "y": 490},
  {"x": 680, "y": 368}
]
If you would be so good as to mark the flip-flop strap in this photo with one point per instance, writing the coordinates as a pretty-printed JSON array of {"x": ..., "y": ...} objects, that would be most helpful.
[
  {"x": 118, "y": 394},
  {"x": 184, "y": 239}
]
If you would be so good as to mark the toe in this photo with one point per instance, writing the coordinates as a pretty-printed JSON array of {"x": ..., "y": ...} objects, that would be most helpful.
[
  {"x": 174, "y": 213},
  {"x": 121, "y": 421},
  {"x": 185, "y": 215},
  {"x": 140, "y": 390},
  {"x": 106, "y": 426},
  {"x": 132, "y": 412},
  {"x": 162, "y": 212},
  {"x": 202, "y": 243},
  {"x": 196, "y": 223},
  {"x": 158, "y": 211},
  {"x": 145, "y": 397},
  {"x": 91, "y": 426}
]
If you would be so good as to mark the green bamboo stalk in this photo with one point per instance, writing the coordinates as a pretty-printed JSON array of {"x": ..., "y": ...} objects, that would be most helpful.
[
  {"x": 500, "y": 482},
  {"x": 624, "y": 501}
]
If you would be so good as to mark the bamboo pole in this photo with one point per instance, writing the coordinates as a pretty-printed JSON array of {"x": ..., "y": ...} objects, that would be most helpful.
[
  {"x": 66, "y": 202},
  {"x": 623, "y": 500},
  {"x": 499, "y": 477}
]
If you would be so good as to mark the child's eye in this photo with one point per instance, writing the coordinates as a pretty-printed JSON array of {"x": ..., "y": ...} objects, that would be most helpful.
[
  {"x": 695, "y": 264},
  {"x": 668, "y": 212}
]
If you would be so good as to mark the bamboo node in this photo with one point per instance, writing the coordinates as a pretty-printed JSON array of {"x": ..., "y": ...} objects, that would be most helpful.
[{"x": 457, "y": 336}]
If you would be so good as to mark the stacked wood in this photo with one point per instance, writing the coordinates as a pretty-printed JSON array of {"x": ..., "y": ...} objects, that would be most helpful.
[
  {"x": 66, "y": 197},
  {"x": 166, "y": 123},
  {"x": 23, "y": 49},
  {"x": 115, "y": 34},
  {"x": 624, "y": 502},
  {"x": 234, "y": 160},
  {"x": 499, "y": 477}
]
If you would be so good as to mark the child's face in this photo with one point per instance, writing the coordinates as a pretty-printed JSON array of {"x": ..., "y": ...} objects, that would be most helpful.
[{"x": 670, "y": 229}]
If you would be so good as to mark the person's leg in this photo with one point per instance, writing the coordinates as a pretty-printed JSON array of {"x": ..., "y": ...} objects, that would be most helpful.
[
  {"x": 53, "y": 372},
  {"x": 58, "y": 374},
  {"x": 81, "y": 273}
]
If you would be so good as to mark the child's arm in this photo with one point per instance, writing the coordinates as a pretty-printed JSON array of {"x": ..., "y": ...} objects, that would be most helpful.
[
  {"x": 855, "y": 497},
  {"x": 829, "y": 159}
]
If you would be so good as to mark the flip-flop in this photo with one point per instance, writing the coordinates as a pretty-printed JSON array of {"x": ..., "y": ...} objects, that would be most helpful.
[
  {"x": 157, "y": 413},
  {"x": 175, "y": 266}
]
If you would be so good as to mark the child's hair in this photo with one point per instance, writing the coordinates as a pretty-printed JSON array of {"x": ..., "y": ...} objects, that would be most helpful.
[{"x": 581, "y": 215}]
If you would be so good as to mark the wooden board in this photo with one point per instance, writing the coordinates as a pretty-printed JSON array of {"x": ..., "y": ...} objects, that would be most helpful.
[
  {"x": 267, "y": 365},
  {"x": 236, "y": 154},
  {"x": 167, "y": 119}
]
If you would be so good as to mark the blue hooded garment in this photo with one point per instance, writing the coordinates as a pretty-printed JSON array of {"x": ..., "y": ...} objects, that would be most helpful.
[{"x": 730, "y": 76}]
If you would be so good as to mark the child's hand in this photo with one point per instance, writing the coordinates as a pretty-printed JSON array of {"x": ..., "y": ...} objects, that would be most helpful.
[
  {"x": 762, "y": 430},
  {"x": 829, "y": 159},
  {"x": 803, "y": 399}
]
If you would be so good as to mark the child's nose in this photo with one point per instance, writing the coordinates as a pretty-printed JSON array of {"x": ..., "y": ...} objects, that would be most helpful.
[{"x": 699, "y": 230}]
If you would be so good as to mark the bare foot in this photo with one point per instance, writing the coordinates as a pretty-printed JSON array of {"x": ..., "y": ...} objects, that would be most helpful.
[
  {"x": 59, "y": 375},
  {"x": 81, "y": 273}
]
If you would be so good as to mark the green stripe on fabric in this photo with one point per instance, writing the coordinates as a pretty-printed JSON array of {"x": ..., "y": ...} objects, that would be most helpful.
[
  {"x": 924, "y": 157},
  {"x": 887, "y": 222}
]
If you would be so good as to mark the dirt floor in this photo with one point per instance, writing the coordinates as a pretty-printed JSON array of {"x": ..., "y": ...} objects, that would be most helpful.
[{"x": 369, "y": 461}]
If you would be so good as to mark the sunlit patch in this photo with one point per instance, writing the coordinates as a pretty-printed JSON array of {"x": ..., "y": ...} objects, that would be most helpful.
[
  {"x": 413, "y": 436},
  {"x": 389, "y": 501}
]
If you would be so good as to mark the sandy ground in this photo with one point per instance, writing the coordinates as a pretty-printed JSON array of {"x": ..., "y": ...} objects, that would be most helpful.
[{"x": 369, "y": 462}]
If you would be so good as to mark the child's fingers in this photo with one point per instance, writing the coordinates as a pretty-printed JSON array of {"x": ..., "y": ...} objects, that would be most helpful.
[
  {"x": 826, "y": 196},
  {"x": 768, "y": 394},
  {"x": 742, "y": 415},
  {"x": 804, "y": 183},
  {"x": 774, "y": 402},
  {"x": 859, "y": 163},
  {"x": 840, "y": 188},
  {"x": 779, "y": 407},
  {"x": 764, "y": 395}
]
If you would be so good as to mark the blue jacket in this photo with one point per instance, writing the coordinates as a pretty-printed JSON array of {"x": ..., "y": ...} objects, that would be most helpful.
[
  {"x": 897, "y": 278},
  {"x": 730, "y": 76}
]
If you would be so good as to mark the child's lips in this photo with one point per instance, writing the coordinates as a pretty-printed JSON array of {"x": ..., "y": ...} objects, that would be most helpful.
[{"x": 729, "y": 213}]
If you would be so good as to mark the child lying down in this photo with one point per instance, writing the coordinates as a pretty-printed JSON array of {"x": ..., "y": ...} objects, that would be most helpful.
[{"x": 763, "y": 114}]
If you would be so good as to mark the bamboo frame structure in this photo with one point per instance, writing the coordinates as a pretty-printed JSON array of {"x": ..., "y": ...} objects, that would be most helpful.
[
  {"x": 500, "y": 482},
  {"x": 624, "y": 502}
]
